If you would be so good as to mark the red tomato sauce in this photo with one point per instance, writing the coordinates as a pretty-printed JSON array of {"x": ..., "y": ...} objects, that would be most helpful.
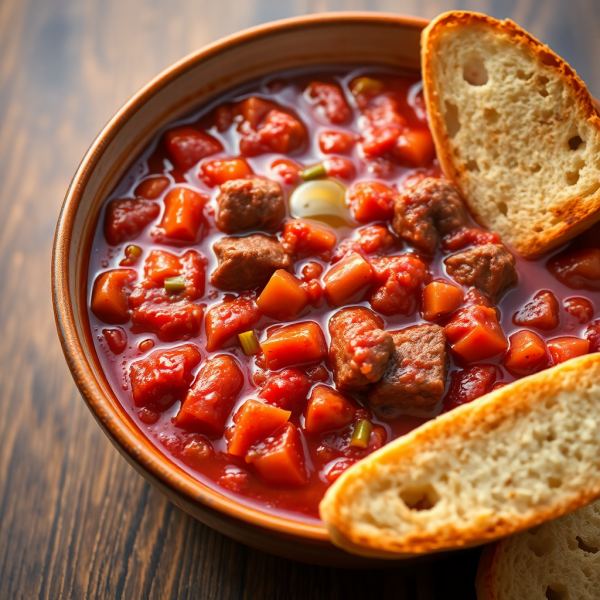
[{"x": 271, "y": 428}]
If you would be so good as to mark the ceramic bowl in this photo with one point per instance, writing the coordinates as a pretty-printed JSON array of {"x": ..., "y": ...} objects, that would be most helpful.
[{"x": 342, "y": 38}]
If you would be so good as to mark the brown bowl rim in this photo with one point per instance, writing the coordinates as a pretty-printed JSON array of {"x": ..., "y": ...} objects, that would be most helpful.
[{"x": 162, "y": 468}]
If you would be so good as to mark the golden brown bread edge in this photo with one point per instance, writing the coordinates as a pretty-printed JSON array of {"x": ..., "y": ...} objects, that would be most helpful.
[
  {"x": 576, "y": 218},
  {"x": 519, "y": 397},
  {"x": 484, "y": 581}
]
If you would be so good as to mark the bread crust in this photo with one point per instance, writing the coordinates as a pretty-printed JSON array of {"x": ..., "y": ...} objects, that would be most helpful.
[
  {"x": 511, "y": 402},
  {"x": 578, "y": 214}
]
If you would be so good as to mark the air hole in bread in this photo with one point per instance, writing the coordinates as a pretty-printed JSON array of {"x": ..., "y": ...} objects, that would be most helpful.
[
  {"x": 536, "y": 168},
  {"x": 474, "y": 71},
  {"x": 422, "y": 497},
  {"x": 556, "y": 593},
  {"x": 554, "y": 482},
  {"x": 538, "y": 547},
  {"x": 547, "y": 114},
  {"x": 583, "y": 546},
  {"x": 575, "y": 142},
  {"x": 491, "y": 115},
  {"x": 452, "y": 119},
  {"x": 572, "y": 177},
  {"x": 472, "y": 165},
  {"x": 522, "y": 75},
  {"x": 502, "y": 207},
  {"x": 541, "y": 86}
]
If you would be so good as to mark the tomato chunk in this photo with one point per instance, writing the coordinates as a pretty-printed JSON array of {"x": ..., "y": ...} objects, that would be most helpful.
[
  {"x": 217, "y": 172},
  {"x": 211, "y": 399},
  {"x": 226, "y": 320},
  {"x": 468, "y": 236},
  {"x": 287, "y": 170},
  {"x": 581, "y": 309},
  {"x": 331, "y": 100},
  {"x": 475, "y": 334},
  {"x": 287, "y": 389},
  {"x": 577, "y": 270},
  {"x": 348, "y": 279},
  {"x": 541, "y": 312},
  {"x": 301, "y": 239},
  {"x": 414, "y": 147},
  {"x": 254, "y": 421},
  {"x": 152, "y": 188},
  {"x": 280, "y": 133},
  {"x": 116, "y": 339},
  {"x": 170, "y": 322},
  {"x": 110, "y": 295},
  {"x": 339, "y": 167},
  {"x": 183, "y": 214},
  {"x": 371, "y": 201},
  {"x": 163, "y": 376},
  {"x": 566, "y": 347},
  {"x": 125, "y": 219},
  {"x": 327, "y": 410},
  {"x": 160, "y": 265},
  {"x": 188, "y": 146},
  {"x": 527, "y": 353},
  {"x": 336, "y": 142},
  {"x": 279, "y": 459},
  {"x": 440, "y": 299},
  {"x": 299, "y": 344},
  {"x": 283, "y": 297},
  {"x": 254, "y": 110},
  {"x": 469, "y": 384}
]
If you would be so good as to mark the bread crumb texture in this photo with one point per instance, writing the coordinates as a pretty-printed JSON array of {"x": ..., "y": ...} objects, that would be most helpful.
[
  {"x": 559, "y": 560},
  {"x": 515, "y": 128},
  {"x": 519, "y": 456}
]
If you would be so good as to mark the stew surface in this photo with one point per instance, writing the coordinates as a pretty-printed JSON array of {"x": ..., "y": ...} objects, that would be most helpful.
[{"x": 284, "y": 282}]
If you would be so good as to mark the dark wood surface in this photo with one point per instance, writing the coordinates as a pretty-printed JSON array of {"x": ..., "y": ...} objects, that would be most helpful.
[{"x": 75, "y": 520}]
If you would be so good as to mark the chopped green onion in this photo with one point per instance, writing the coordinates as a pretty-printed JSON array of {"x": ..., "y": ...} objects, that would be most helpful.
[
  {"x": 134, "y": 251},
  {"x": 361, "y": 433},
  {"x": 249, "y": 342},
  {"x": 175, "y": 284},
  {"x": 366, "y": 85},
  {"x": 314, "y": 172}
]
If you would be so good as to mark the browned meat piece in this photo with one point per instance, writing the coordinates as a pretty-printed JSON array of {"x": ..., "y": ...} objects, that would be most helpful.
[
  {"x": 250, "y": 204},
  {"x": 248, "y": 262},
  {"x": 416, "y": 374},
  {"x": 360, "y": 349},
  {"x": 426, "y": 211},
  {"x": 490, "y": 268}
]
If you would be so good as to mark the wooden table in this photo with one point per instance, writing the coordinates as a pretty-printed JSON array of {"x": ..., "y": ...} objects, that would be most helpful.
[{"x": 75, "y": 520}]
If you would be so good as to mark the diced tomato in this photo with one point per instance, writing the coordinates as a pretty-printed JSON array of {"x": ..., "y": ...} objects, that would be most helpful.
[
  {"x": 371, "y": 201},
  {"x": 348, "y": 279},
  {"x": 287, "y": 170},
  {"x": 125, "y": 219},
  {"x": 385, "y": 124},
  {"x": 196, "y": 450},
  {"x": 279, "y": 459},
  {"x": 301, "y": 239},
  {"x": 318, "y": 374},
  {"x": 468, "y": 236},
  {"x": 161, "y": 264},
  {"x": 527, "y": 353},
  {"x": 287, "y": 389},
  {"x": 116, "y": 339},
  {"x": 283, "y": 297},
  {"x": 314, "y": 290},
  {"x": 414, "y": 147},
  {"x": 217, "y": 172},
  {"x": 327, "y": 410},
  {"x": 336, "y": 142},
  {"x": 592, "y": 334},
  {"x": 188, "y": 146},
  {"x": 566, "y": 347},
  {"x": 375, "y": 239},
  {"x": 110, "y": 294},
  {"x": 228, "y": 319},
  {"x": 581, "y": 309},
  {"x": 280, "y": 133},
  {"x": 398, "y": 284},
  {"x": 255, "y": 421},
  {"x": 146, "y": 345},
  {"x": 163, "y": 376},
  {"x": 254, "y": 110},
  {"x": 311, "y": 270},
  {"x": 294, "y": 345},
  {"x": 469, "y": 384},
  {"x": 183, "y": 214},
  {"x": 337, "y": 468},
  {"x": 577, "y": 270},
  {"x": 223, "y": 117},
  {"x": 340, "y": 167},
  {"x": 212, "y": 397},
  {"x": 331, "y": 99},
  {"x": 475, "y": 334},
  {"x": 152, "y": 188},
  {"x": 541, "y": 312},
  {"x": 169, "y": 322},
  {"x": 440, "y": 299}
]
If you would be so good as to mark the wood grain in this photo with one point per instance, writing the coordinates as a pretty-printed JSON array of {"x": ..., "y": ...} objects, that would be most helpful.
[{"x": 75, "y": 520}]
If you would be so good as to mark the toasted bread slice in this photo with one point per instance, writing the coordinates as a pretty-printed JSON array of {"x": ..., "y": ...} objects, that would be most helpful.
[
  {"x": 515, "y": 129},
  {"x": 559, "y": 559},
  {"x": 521, "y": 455}
]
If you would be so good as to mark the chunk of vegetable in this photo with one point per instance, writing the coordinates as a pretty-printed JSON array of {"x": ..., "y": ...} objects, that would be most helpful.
[
  {"x": 315, "y": 172},
  {"x": 217, "y": 172},
  {"x": 249, "y": 342},
  {"x": 287, "y": 389},
  {"x": 347, "y": 280},
  {"x": 169, "y": 322},
  {"x": 336, "y": 142},
  {"x": 125, "y": 219},
  {"x": 211, "y": 399},
  {"x": 371, "y": 201},
  {"x": 183, "y": 214},
  {"x": 152, "y": 188},
  {"x": 414, "y": 147},
  {"x": 280, "y": 133},
  {"x": 327, "y": 410},
  {"x": 581, "y": 309},
  {"x": 566, "y": 347},
  {"x": 174, "y": 284},
  {"x": 116, "y": 339},
  {"x": 283, "y": 297},
  {"x": 301, "y": 239},
  {"x": 287, "y": 170},
  {"x": 469, "y": 384},
  {"x": 541, "y": 312},
  {"x": 440, "y": 299},
  {"x": 226, "y": 320},
  {"x": 527, "y": 353},
  {"x": 331, "y": 99},
  {"x": 132, "y": 253},
  {"x": 361, "y": 434},
  {"x": 188, "y": 146},
  {"x": 577, "y": 270},
  {"x": 255, "y": 421},
  {"x": 293, "y": 345},
  {"x": 110, "y": 294}
]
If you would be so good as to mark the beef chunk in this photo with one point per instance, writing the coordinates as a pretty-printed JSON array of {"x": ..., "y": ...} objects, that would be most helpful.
[
  {"x": 416, "y": 373},
  {"x": 426, "y": 211},
  {"x": 250, "y": 204},
  {"x": 248, "y": 262},
  {"x": 490, "y": 268},
  {"x": 359, "y": 349}
]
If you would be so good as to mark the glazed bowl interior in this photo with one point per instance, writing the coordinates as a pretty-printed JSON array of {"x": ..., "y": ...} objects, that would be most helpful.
[{"x": 325, "y": 39}]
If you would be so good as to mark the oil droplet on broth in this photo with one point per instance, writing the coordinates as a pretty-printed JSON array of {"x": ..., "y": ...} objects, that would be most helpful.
[{"x": 322, "y": 200}]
